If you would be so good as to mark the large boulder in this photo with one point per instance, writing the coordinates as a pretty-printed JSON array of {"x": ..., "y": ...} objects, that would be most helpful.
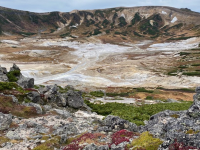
[
  {"x": 3, "y": 72},
  {"x": 5, "y": 121},
  {"x": 74, "y": 99},
  {"x": 61, "y": 100},
  {"x": 50, "y": 93},
  {"x": 25, "y": 82},
  {"x": 35, "y": 97}
]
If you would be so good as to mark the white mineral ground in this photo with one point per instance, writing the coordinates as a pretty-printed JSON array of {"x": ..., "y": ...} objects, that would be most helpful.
[{"x": 101, "y": 65}]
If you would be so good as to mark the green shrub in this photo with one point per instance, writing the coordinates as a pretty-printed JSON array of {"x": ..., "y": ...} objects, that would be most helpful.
[
  {"x": 182, "y": 66},
  {"x": 136, "y": 18},
  {"x": 187, "y": 90},
  {"x": 149, "y": 98},
  {"x": 135, "y": 114},
  {"x": 191, "y": 73},
  {"x": 10, "y": 86},
  {"x": 144, "y": 90},
  {"x": 105, "y": 22},
  {"x": 117, "y": 32},
  {"x": 26, "y": 33},
  {"x": 137, "y": 34},
  {"x": 97, "y": 93},
  {"x": 122, "y": 22},
  {"x": 180, "y": 38},
  {"x": 96, "y": 32},
  {"x": 172, "y": 73},
  {"x": 99, "y": 12},
  {"x": 195, "y": 65},
  {"x": 107, "y": 31},
  {"x": 6, "y": 86},
  {"x": 12, "y": 75},
  {"x": 117, "y": 94},
  {"x": 64, "y": 35}
]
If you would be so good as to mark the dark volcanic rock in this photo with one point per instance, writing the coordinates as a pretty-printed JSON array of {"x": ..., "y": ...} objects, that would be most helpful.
[
  {"x": 50, "y": 93},
  {"x": 61, "y": 100},
  {"x": 74, "y": 99},
  {"x": 198, "y": 89},
  {"x": 25, "y": 82},
  {"x": 35, "y": 97}
]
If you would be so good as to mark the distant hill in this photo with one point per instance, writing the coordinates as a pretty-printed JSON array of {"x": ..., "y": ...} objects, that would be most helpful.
[{"x": 147, "y": 22}]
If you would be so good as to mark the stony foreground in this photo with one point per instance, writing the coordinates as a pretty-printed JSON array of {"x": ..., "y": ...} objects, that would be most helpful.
[{"x": 57, "y": 118}]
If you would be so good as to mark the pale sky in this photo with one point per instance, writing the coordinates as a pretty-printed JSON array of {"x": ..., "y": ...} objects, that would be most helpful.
[{"x": 69, "y": 5}]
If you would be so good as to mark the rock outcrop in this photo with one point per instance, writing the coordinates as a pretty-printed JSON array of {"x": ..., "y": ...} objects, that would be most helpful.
[
  {"x": 74, "y": 99},
  {"x": 58, "y": 121},
  {"x": 71, "y": 98},
  {"x": 25, "y": 82},
  {"x": 180, "y": 126}
]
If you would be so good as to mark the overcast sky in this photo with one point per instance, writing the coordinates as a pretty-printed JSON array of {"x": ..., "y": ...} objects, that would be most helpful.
[{"x": 69, "y": 5}]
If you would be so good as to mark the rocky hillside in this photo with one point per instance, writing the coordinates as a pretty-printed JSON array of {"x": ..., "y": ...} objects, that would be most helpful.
[
  {"x": 122, "y": 23},
  {"x": 53, "y": 117}
]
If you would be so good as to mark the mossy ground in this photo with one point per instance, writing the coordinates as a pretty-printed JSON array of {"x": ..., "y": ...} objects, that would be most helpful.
[
  {"x": 49, "y": 144},
  {"x": 8, "y": 106},
  {"x": 145, "y": 141}
]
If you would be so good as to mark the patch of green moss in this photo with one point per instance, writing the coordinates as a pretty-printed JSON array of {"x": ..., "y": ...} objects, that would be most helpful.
[
  {"x": 12, "y": 75},
  {"x": 49, "y": 144},
  {"x": 3, "y": 140},
  {"x": 191, "y": 131},
  {"x": 24, "y": 111},
  {"x": 175, "y": 116},
  {"x": 146, "y": 141}
]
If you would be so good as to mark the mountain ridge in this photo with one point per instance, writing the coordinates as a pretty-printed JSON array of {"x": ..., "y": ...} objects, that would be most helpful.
[{"x": 128, "y": 23}]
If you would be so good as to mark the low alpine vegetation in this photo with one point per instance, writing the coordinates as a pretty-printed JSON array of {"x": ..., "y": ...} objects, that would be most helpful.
[{"x": 135, "y": 114}]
